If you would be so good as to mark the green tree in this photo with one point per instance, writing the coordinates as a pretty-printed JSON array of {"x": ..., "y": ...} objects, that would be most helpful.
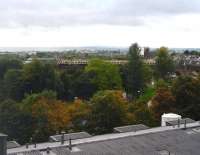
[
  {"x": 164, "y": 63},
  {"x": 187, "y": 94},
  {"x": 147, "y": 74},
  {"x": 9, "y": 63},
  {"x": 83, "y": 87},
  {"x": 13, "y": 84},
  {"x": 135, "y": 78},
  {"x": 39, "y": 76},
  {"x": 104, "y": 75},
  {"x": 108, "y": 110},
  {"x": 14, "y": 121}
]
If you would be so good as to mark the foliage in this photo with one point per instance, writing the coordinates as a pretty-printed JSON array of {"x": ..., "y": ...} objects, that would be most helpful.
[
  {"x": 39, "y": 99},
  {"x": 78, "y": 112},
  {"x": 187, "y": 94},
  {"x": 39, "y": 76},
  {"x": 141, "y": 114},
  {"x": 164, "y": 63},
  {"x": 53, "y": 115},
  {"x": 162, "y": 102},
  {"x": 7, "y": 63},
  {"x": 108, "y": 110},
  {"x": 147, "y": 95},
  {"x": 83, "y": 87},
  {"x": 147, "y": 73},
  {"x": 104, "y": 74},
  {"x": 14, "y": 122},
  {"x": 135, "y": 79},
  {"x": 13, "y": 84}
]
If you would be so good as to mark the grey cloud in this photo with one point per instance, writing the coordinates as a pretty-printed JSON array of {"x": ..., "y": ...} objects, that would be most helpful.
[{"x": 54, "y": 13}]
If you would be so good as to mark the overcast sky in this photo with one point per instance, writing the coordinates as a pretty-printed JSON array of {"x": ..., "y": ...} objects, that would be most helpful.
[{"x": 50, "y": 23}]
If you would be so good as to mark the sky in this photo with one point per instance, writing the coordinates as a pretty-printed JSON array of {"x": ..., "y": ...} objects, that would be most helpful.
[{"x": 119, "y": 23}]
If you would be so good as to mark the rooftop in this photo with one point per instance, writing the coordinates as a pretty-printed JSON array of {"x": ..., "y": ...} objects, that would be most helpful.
[
  {"x": 3, "y": 135},
  {"x": 131, "y": 128},
  {"x": 172, "y": 115},
  {"x": 72, "y": 136},
  {"x": 153, "y": 141},
  {"x": 181, "y": 121},
  {"x": 12, "y": 144}
]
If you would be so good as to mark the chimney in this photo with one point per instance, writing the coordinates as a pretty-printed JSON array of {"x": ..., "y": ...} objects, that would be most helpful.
[
  {"x": 48, "y": 150},
  {"x": 185, "y": 124},
  {"x": 3, "y": 144},
  {"x": 27, "y": 145},
  {"x": 178, "y": 123},
  {"x": 70, "y": 144},
  {"x": 62, "y": 137}
]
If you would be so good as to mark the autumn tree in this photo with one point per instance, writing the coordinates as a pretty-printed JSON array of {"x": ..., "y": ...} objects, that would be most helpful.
[
  {"x": 78, "y": 112},
  {"x": 37, "y": 106},
  {"x": 141, "y": 114},
  {"x": 162, "y": 102}
]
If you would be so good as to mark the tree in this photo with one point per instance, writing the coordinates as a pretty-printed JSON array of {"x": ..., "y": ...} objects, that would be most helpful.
[
  {"x": 46, "y": 112},
  {"x": 104, "y": 75},
  {"x": 13, "y": 84},
  {"x": 83, "y": 87},
  {"x": 39, "y": 76},
  {"x": 162, "y": 102},
  {"x": 164, "y": 63},
  {"x": 51, "y": 114},
  {"x": 187, "y": 94},
  {"x": 108, "y": 110},
  {"x": 9, "y": 63},
  {"x": 147, "y": 74},
  {"x": 14, "y": 122},
  {"x": 141, "y": 114},
  {"x": 79, "y": 113},
  {"x": 71, "y": 79},
  {"x": 135, "y": 81}
]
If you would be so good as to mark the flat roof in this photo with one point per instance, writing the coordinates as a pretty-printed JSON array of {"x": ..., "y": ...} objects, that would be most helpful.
[
  {"x": 130, "y": 128},
  {"x": 72, "y": 136},
  {"x": 3, "y": 135},
  {"x": 181, "y": 121},
  {"x": 143, "y": 142},
  {"x": 12, "y": 144}
]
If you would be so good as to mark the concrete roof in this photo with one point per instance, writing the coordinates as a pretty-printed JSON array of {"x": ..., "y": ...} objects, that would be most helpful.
[
  {"x": 153, "y": 141},
  {"x": 72, "y": 136},
  {"x": 131, "y": 128},
  {"x": 12, "y": 144},
  {"x": 171, "y": 115},
  {"x": 181, "y": 121},
  {"x": 3, "y": 135}
]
